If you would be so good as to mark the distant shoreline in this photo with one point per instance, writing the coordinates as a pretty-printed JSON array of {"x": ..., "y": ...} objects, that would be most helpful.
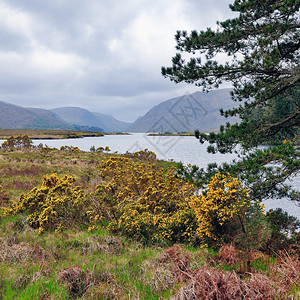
[
  {"x": 172, "y": 134},
  {"x": 48, "y": 134},
  {"x": 55, "y": 134}
]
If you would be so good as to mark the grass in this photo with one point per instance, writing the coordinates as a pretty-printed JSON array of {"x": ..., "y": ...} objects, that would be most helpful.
[
  {"x": 109, "y": 271},
  {"x": 263, "y": 263},
  {"x": 98, "y": 265},
  {"x": 20, "y": 170}
]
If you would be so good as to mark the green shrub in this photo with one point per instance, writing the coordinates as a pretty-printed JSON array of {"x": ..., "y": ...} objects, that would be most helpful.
[
  {"x": 56, "y": 204},
  {"x": 284, "y": 230},
  {"x": 145, "y": 202}
]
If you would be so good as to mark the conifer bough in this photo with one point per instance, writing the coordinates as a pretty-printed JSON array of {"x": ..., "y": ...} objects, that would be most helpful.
[
  {"x": 262, "y": 44},
  {"x": 263, "y": 47}
]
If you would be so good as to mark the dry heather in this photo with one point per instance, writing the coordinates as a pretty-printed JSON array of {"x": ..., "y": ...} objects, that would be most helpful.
[
  {"x": 12, "y": 250},
  {"x": 211, "y": 283}
]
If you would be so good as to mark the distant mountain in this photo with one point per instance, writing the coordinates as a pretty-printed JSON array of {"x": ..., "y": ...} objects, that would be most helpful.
[
  {"x": 77, "y": 115},
  {"x": 187, "y": 113},
  {"x": 181, "y": 114},
  {"x": 80, "y": 116},
  {"x": 47, "y": 119},
  {"x": 69, "y": 118},
  {"x": 17, "y": 117},
  {"x": 111, "y": 124}
]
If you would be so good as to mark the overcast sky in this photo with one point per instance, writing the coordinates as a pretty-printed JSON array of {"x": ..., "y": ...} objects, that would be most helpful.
[{"x": 102, "y": 55}]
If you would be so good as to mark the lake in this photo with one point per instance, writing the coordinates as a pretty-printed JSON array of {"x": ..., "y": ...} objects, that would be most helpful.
[{"x": 185, "y": 149}]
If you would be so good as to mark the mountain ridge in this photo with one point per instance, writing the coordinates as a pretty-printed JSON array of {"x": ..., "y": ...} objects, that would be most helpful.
[
  {"x": 17, "y": 117},
  {"x": 180, "y": 114},
  {"x": 187, "y": 113},
  {"x": 81, "y": 116}
]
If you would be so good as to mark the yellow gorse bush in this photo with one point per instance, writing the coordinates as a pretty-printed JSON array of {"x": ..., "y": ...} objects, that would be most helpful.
[
  {"x": 4, "y": 199},
  {"x": 145, "y": 154},
  {"x": 56, "y": 204},
  {"x": 144, "y": 201},
  {"x": 139, "y": 199},
  {"x": 225, "y": 200},
  {"x": 70, "y": 149}
]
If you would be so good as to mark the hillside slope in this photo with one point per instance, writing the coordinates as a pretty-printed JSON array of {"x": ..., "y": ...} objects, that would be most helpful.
[
  {"x": 110, "y": 123},
  {"x": 17, "y": 117},
  {"x": 187, "y": 113},
  {"x": 80, "y": 116},
  {"x": 77, "y": 115}
]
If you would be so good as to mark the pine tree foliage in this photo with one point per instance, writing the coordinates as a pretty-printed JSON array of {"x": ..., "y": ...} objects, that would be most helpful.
[{"x": 262, "y": 44}]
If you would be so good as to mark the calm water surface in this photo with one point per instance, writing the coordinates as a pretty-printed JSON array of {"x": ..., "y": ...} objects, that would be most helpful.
[{"x": 186, "y": 149}]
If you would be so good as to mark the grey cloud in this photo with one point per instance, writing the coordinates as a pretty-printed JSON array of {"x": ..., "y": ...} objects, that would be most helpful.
[
  {"x": 96, "y": 53},
  {"x": 126, "y": 83},
  {"x": 12, "y": 40}
]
